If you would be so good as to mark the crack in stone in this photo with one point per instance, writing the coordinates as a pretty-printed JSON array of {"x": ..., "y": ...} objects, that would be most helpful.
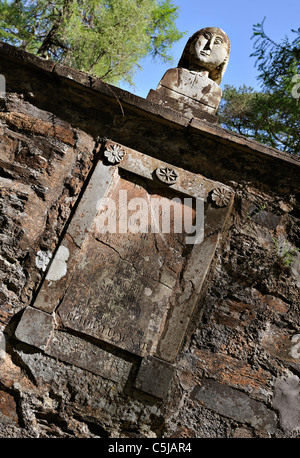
[
  {"x": 132, "y": 265},
  {"x": 73, "y": 241}
]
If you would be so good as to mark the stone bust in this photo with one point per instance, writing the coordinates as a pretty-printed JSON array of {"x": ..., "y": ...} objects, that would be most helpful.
[{"x": 193, "y": 87}]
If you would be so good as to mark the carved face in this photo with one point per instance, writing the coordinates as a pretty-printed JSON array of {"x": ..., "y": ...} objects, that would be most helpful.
[{"x": 209, "y": 50}]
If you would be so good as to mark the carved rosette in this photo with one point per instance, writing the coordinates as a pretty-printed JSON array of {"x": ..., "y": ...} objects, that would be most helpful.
[
  {"x": 221, "y": 196},
  {"x": 166, "y": 175},
  {"x": 114, "y": 153}
]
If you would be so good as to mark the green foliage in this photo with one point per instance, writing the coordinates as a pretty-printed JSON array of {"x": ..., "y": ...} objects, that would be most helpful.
[
  {"x": 106, "y": 38},
  {"x": 263, "y": 116},
  {"x": 286, "y": 253},
  {"x": 277, "y": 62},
  {"x": 256, "y": 211},
  {"x": 271, "y": 115}
]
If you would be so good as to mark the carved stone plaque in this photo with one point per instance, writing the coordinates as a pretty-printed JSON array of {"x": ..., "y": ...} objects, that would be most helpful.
[
  {"x": 121, "y": 288},
  {"x": 131, "y": 265}
]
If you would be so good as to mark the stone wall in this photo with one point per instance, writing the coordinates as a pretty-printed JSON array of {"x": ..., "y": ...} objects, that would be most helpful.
[{"x": 238, "y": 370}]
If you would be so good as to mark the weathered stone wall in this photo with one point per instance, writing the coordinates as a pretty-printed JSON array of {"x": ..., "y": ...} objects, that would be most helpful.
[{"x": 238, "y": 372}]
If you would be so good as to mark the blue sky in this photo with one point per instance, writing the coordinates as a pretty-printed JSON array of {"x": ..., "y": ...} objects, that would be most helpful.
[{"x": 236, "y": 18}]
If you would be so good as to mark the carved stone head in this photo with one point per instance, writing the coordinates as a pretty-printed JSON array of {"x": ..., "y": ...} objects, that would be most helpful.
[{"x": 207, "y": 50}]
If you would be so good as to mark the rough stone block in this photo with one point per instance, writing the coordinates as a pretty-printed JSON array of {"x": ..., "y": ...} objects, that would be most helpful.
[
  {"x": 191, "y": 93},
  {"x": 281, "y": 344},
  {"x": 234, "y": 404},
  {"x": 8, "y": 408},
  {"x": 35, "y": 328},
  {"x": 225, "y": 369},
  {"x": 154, "y": 377},
  {"x": 287, "y": 401},
  {"x": 86, "y": 355},
  {"x": 187, "y": 107},
  {"x": 55, "y": 281},
  {"x": 30, "y": 124},
  {"x": 194, "y": 85}
]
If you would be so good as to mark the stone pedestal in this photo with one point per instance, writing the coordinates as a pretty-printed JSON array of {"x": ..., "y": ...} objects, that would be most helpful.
[{"x": 191, "y": 93}]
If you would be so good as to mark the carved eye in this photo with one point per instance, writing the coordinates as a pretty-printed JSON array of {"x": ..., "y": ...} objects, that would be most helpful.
[
  {"x": 218, "y": 41},
  {"x": 207, "y": 36}
]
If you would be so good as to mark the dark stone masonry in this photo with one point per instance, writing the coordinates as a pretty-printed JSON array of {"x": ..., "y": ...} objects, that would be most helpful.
[{"x": 136, "y": 334}]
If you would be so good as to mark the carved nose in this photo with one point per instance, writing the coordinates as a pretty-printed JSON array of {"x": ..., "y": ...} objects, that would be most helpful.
[{"x": 209, "y": 44}]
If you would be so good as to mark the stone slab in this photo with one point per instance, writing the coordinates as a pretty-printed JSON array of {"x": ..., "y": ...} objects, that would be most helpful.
[
  {"x": 35, "y": 328},
  {"x": 188, "y": 108},
  {"x": 193, "y": 85},
  {"x": 154, "y": 377},
  {"x": 234, "y": 404},
  {"x": 87, "y": 208},
  {"x": 80, "y": 353},
  {"x": 56, "y": 280},
  {"x": 58, "y": 274},
  {"x": 184, "y": 301},
  {"x": 188, "y": 183},
  {"x": 191, "y": 93},
  {"x": 122, "y": 284},
  {"x": 286, "y": 401}
]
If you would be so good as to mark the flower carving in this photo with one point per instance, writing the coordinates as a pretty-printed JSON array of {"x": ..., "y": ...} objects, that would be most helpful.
[
  {"x": 166, "y": 175},
  {"x": 114, "y": 153},
  {"x": 221, "y": 197}
]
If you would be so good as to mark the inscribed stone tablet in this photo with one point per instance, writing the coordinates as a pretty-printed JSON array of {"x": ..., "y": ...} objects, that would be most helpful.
[{"x": 122, "y": 286}]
